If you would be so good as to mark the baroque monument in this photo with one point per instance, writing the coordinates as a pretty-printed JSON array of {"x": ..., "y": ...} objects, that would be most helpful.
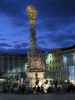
[{"x": 36, "y": 69}]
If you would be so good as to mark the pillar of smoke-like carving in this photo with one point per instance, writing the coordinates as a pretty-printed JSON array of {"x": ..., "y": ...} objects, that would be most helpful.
[{"x": 36, "y": 62}]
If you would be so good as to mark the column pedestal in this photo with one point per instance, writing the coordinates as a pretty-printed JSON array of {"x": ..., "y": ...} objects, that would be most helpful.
[
  {"x": 36, "y": 70},
  {"x": 32, "y": 77}
]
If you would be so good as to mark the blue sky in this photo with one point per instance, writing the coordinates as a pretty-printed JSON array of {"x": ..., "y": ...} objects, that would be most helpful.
[{"x": 55, "y": 24}]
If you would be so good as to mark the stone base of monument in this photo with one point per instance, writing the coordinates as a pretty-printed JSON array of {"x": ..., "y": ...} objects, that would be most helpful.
[
  {"x": 36, "y": 68},
  {"x": 31, "y": 76}
]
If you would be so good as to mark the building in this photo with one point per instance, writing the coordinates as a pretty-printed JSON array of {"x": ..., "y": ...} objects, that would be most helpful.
[
  {"x": 60, "y": 63},
  {"x": 12, "y": 64}
]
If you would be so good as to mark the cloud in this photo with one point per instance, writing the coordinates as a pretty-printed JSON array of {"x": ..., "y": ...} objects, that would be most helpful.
[
  {"x": 2, "y": 39},
  {"x": 21, "y": 45},
  {"x": 5, "y": 45},
  {"x": 55, "y": 26}
]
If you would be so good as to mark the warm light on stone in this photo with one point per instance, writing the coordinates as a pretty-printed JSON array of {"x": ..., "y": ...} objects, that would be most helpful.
[
  {"x": 32, "y": 14},
  {"x": 36, "y": 62}
]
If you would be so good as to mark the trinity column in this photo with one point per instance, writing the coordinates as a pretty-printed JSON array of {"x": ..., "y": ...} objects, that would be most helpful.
[{"x": 36, "y": 69}]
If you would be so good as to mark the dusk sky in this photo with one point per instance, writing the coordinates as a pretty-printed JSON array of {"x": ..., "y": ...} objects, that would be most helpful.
[{"x": 55, "y": 24}]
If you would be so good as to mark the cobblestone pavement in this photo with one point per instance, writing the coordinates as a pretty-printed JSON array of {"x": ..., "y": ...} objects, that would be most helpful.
[{"x": 38, "y": 97}]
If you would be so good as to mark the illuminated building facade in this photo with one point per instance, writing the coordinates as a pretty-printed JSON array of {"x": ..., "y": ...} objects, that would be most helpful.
[
  {"x": 12, "y": 64},
  {"x": 60, "y": 63}
]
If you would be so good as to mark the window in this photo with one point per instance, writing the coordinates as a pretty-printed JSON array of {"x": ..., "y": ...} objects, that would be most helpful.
[
  {"x": 74, "y": 57},
  {"x": 71, "y": 73},
  {"x": 49, "y": 59},
  {"x": 64, "y": 59}
]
